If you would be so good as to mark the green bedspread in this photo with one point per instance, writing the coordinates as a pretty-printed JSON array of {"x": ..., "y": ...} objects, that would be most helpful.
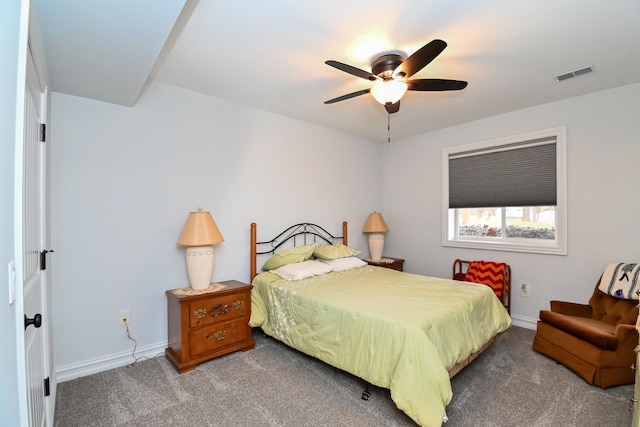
[{"x": 396, "y": 330}]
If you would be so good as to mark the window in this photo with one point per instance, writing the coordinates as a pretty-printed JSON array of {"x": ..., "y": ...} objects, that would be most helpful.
[{"x": 507, "y": 194}]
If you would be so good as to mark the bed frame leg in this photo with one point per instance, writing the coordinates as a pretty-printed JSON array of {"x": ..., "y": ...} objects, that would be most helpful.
[{"x": 366, "y": 394}]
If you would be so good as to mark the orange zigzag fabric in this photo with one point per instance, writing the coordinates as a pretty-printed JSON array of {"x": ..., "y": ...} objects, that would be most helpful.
[{"x": 488, "y": 273}]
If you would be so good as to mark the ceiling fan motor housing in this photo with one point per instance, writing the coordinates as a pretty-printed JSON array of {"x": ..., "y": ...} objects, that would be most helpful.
[{"x": 384, "y": 65}]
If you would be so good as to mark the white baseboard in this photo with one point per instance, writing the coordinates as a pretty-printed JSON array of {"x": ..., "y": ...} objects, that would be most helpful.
[
  {"x": 524, "y": 322},
  {"x": 93, "y": 366}
]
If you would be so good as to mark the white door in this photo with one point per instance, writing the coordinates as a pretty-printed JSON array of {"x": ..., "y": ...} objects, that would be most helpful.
[{"x": 35, "y": 298}]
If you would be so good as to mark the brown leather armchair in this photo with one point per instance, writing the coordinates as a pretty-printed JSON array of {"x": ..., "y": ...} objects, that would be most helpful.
[{"x": 596, "y": 341}]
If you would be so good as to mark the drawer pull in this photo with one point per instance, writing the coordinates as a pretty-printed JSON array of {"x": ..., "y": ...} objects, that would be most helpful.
[
  {"x": 220, "y": 310},
  {"x": 200, "y": 313},
  {"x": 220, "y": 335}
]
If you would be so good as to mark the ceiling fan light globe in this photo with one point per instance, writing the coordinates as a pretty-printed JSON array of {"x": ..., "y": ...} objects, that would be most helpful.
[{"x": 389, "y": 91}]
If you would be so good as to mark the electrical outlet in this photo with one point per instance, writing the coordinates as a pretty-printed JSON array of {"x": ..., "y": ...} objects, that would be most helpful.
[
  {"x": 524, "y": 290},
  {"x": 124, "y": 314}
]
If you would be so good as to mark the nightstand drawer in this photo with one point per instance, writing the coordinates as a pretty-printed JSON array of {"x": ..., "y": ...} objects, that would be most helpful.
[
  {"x": 217, "y": 336},
  {"x": 219, "y": 309}
]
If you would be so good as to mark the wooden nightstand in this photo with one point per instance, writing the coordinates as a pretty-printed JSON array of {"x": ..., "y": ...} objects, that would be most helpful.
[
  {"x": 387, "y": 262},
  {"x": 204, "y": 325}
]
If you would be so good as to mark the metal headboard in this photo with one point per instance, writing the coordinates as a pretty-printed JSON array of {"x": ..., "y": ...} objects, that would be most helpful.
[{"x": 300, "y": 234}]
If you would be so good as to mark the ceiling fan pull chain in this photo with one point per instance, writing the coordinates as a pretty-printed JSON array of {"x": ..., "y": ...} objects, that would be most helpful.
[{"x": 388, "y": 127}]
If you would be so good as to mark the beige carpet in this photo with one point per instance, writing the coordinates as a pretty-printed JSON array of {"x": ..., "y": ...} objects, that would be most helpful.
[{"x": 272, "y": 385}]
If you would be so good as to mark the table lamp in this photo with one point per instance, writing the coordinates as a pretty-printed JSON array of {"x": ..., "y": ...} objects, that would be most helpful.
[
  {"x": 199, "y": 234},
  {"x": 375, "y": 226}
]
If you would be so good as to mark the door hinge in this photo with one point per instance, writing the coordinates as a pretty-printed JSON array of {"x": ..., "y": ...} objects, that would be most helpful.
[
  {"x": 43, "y": 259},
  {"x": 47, "y": 389},
  {"x": 43, "y": 132}
]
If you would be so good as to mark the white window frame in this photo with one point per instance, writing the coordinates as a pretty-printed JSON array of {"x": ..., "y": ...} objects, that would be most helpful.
[{"x": 558, "y": 246}]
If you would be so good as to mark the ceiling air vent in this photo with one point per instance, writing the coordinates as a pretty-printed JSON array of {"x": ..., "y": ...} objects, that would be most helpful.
[{"x": 574, "y": 73}]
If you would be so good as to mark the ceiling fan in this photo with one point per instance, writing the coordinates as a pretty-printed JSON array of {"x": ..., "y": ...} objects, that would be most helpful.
[{"x": 391, "y": 72}]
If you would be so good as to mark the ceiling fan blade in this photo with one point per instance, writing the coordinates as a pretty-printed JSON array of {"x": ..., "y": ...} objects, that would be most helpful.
[
  {"x": 352, "y": 70},
  {"x": 347, "y": 96},
  {"x": 419, "y": 59},
  {"x": 392, "y": 108},
  {"x": 435, "y": 84}
]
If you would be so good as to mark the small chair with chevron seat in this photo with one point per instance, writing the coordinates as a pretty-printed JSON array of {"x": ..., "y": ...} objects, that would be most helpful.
[{"x": 496, "y": 275}]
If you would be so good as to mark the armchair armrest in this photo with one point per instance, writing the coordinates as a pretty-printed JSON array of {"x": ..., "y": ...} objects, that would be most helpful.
[
  {"x": 627, "y": 336},
  {"x": 572, "y": 308}
]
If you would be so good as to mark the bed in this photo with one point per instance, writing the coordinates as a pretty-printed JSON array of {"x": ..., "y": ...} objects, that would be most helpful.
[{"x": 405, "y": 332}]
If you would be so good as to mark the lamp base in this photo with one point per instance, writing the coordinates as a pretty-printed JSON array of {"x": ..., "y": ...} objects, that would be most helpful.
[
  {"x": 376, "y": 245},
  {"x": 200, "y": 266}
]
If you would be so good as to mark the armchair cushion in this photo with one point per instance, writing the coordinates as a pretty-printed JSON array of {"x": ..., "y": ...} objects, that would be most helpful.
[{"x": 600, "y": 334}]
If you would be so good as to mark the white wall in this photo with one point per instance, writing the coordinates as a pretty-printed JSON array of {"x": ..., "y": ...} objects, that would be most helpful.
[
  {"x": 603, "y": 204},
  {"x": 124, "y": 180}
]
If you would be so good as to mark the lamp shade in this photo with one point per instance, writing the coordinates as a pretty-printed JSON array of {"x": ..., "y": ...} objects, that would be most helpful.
[
  {"x": 375, "y": 224},
  {"x": 389, "y": 91},
  {"x": 200, "y": 230}
]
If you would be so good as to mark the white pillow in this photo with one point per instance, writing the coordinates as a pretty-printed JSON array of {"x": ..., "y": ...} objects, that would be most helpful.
[
  {"x": 302, "y": 270},
  {"x": 342, "y": 264}
]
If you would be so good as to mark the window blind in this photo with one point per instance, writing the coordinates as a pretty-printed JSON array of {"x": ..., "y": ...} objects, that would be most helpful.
[{"x": 517, "y": 174}]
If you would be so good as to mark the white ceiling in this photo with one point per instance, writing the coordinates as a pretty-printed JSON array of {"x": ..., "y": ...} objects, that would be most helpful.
[{"x": 270, "y": 54}]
